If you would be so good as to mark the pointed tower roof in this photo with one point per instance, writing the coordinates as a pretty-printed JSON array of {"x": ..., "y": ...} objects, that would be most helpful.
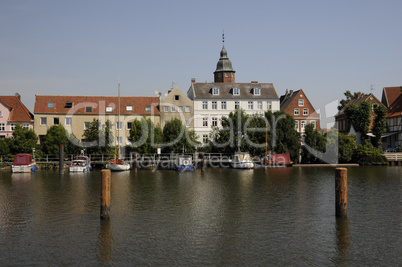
[{"x": 224, "y": 64}]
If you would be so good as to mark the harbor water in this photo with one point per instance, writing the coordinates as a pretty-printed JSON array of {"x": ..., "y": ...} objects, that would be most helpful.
[{"x": 274, "y": 217}]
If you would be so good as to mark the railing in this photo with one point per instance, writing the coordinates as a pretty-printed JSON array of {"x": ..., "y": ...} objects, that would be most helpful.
[{"x": 393, "y": 156}]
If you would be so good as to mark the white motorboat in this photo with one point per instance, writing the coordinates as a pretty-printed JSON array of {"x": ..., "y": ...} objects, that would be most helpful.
[
  {"x": 23, "y": 163},
  {"x": 80, "y": 164},
  {"x": 242, "y": 160}
]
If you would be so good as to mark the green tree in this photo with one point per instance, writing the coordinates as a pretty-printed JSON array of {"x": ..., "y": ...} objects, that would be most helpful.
[
  {"x": 5, "y": 146},
  {"x": 316, "y": 141},
  {"x": 23, "y": 140},
  {"x": 349, "y": 96},
  {"x": 359, "y": 116},
  {"x": 176, "y": 137},
  {"x": 366, "y": 154},
  {"x": 379, "y": 124},
  {"x": 144, "y": 136},
  {"x": 55, "y": 136},
  {"x": 99, "y": 137}
]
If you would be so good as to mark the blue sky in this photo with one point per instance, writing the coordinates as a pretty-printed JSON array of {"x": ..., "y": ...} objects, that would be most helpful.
[{"x": 87, "y": 47}]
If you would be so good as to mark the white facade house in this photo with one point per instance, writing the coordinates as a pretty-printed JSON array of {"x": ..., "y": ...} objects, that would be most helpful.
[{"x": 212, "y": 101}]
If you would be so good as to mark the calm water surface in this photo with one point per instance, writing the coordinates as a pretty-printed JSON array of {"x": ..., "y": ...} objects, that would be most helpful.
[{"x": 220, "y": 217}]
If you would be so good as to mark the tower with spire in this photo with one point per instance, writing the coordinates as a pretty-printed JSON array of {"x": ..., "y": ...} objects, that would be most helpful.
[{"x": 224, "y": 72}]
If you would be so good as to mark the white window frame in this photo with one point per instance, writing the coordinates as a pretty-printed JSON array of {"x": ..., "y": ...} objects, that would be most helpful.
[
  {"x": 302, "y": 125},
  {"x": 2, "y": 127},
  {"x": 205, "y": 122},
  {"x": 173, "y": 108},
  {"x": 296, "y": 112},
  {"x": 148, "y": 109},
  {"x": 237, "y": 105},
  {"x": 129, "y": 108},
  {"x": 86, "y": 125},
  {"x": 259, "y": 105},
  {"x": 236, "y": 91},
  {"x": 205, "y": 138},
  {"x": 166, "y": 108},
  {"x": 297, "y": 125},
  {"x": 109, "y": 109},
  {"x": 214, "y": 105},
  {"x": 43, "y": 119},
  {"x": 88, "y": 109},
  {"x": 223, "y": 105},
  {"x": 215, "y": 91},
  {"x": 305, "y": 112},
  {"x": 257, "y": 91},
  {"x": 269, "y": 105},
  {"x": 119, "y": 125},
  {"x": 1, "y": 113},
  {"x": 250, "y": 105},
  {"x": 68, "y": 120},
  {"x": 204, "y": 105},
  {"x": 180, "y": 108},
  {"x": 188, "y": 123},
  {"x": 214, "y": 122},
  {"x": 188, "y": 109},
  {"x": 50, "y": 104},
  {"x": 25, "y": 125},
  {"x": 301, "y": 102}
]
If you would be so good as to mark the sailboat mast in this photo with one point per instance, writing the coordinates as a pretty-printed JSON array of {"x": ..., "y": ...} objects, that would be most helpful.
[{"x": 118, "y": 119}]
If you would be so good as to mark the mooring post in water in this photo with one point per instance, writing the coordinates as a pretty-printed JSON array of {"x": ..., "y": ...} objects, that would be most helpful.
[
  {"x": 202, "y": 161},
  {"x": 61, "y": 157},
  {"x": 341, "y": 192},
  {"x": 105, "y": 194},
  {"x": 135, "y": 162}
]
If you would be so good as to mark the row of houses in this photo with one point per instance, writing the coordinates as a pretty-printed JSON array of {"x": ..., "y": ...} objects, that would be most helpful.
[{"x": 200, "y": 108}]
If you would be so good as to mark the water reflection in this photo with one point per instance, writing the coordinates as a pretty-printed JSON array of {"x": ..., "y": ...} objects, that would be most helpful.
[
  {"x": 342, "y": 237},
  {"x": 105, "y": 241}
]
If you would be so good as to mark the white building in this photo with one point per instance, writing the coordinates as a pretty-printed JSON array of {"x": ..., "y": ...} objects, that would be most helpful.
[{"x": 214, "y": 100}]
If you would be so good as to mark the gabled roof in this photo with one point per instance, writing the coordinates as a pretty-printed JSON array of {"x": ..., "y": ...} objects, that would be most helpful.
[
  {"x": 369, "y": 98},
  {"x": 98, "y": 103},
  {"x": 170, "y": 95},
  {"x": 396, "y": 108},
  {"x": 390, "y": 94},
  {"x": 204, "y": 91},
  {"x": 19, "y": 112},
  {"x": 288, "y": 98}
]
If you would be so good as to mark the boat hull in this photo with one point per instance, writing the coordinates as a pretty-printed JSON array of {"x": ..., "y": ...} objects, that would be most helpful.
[
  {"x": 79, "y": 168},
  {"x": 186, "y": 168},
  {"x": 24, "y": 168},
  {"x": 242, "y": 165},
  {"x": 118, "y": 167}
]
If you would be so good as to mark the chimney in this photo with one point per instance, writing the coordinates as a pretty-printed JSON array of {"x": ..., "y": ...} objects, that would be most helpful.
[
  {"x": 286, "y": 92},
  {"x": 18, "y": 95},
  {"x": 254, "y": 81},
  {"x": 192, "y": 80},
  {"x": 169, "y": 91},
  {"x": 291, "y": 92}
]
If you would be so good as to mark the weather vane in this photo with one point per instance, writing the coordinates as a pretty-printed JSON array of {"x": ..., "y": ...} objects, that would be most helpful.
[{"x": 223, "y": 36}]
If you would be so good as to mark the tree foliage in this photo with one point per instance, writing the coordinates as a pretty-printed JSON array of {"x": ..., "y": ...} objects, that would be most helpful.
[
  {"x": 316, "y": 141},
  {"x": 144, "y": 136},
  {"x": 23, "y": 140},
  {"x": 100, "y": 136},
  {"x": 359, "y": 116},
  {"x": 379, "y": 124},
  {"x": 55, "y": 136},
  {"x": 349, "y": 96},
  {"x": 177, "y": 138},
  {"x": 367, "y": 154}
]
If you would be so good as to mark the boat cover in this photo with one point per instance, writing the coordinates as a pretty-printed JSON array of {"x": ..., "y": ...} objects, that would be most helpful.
[
  {"x": 22, "y": 159},
  {"x": 283, "y": 159}
]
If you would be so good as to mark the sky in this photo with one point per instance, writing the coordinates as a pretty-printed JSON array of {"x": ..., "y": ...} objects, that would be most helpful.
[{"x": 88, "y": 47}]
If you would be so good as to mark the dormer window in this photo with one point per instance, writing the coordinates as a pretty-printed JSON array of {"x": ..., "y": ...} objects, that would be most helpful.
[
  {"x": 301, "y": 102},
  {"x": 88, "y": 109},
  {"x": 129, "y": 108},
  {"x": 50, "y": 104},
  {"x": 256, "y": 91},
  {"x": 68, "y": 105},
  {"x": 109, "y": 109},
  {"x": 236, "y": 91},
  {"x": 215, "y": 91}
]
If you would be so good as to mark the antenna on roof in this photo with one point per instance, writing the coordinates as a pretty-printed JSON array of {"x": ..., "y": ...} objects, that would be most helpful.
[
  {"x": 371, "y": 88},
  {"x": 173, "y": 84}
]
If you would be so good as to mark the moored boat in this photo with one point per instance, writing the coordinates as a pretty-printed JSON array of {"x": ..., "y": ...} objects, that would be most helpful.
[
  {"x": 118, "y": 165},
  {"x": 185, "y": 163},
  {"x": 242, "y": 160},
  {"x": 23, "y": 163},
  {"x": 80, "y": 164}
]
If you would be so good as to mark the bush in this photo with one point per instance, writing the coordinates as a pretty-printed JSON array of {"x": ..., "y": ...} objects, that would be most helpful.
[{"x": 367, "y": 154}]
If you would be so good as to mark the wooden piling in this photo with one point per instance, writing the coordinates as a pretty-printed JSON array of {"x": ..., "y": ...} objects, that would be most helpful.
[
  {"x": 61, "y": 157},
  {"x": 202, "y": 161},
  {"x": 105, "y": 194},
  {"x": 341, "y": 192}
]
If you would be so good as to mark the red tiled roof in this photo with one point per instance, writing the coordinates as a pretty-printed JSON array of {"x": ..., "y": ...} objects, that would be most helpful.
[
  {"x": 98, "y": 104},
  {"x": 19, "y": 112},
  {"x": 391, "y": 94},
  {"x": 396, "y": 108}
]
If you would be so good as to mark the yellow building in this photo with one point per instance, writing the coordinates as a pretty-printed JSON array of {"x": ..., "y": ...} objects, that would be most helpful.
[
  {"x": 76, "y": 113},
  {"x": 177, "y": 105}
]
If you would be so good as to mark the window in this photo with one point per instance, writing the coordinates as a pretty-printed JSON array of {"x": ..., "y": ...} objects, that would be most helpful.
[
  {"x": 129, "y": 125},
  {"x": 256, "y": 91},
  {"x": 50, "y": 104},
  {"x": 119, "y": 140},
  {"x": 69, "y": 121},
  {"x": 176, "y": 98},
  {"x": 205, "y": 138},
  {"x": 68, "y": 105},
  {"x": 259, "y": 105},
  {"x": 375, "y": 106},
  {"x": 301, "y": 102},
  {"x": 43, "y": 121},
  {"x": 166, "y": 109},
  {"x": 269, "y": 105},
  {"x": 181, "y": 109},
  {"x": 86, "y": 125},
  {"x": 56, "y": 121},
  {"x": 119, "y": 125},
  {"x": 13, "y": 126},
  {"x": 2, "y": 127},
  {"x": 313, "y": 122},
  {"x": 1, "y": 113},
  {"x": 237, "y": 104},
  {"x": 223, "y": 105},
  {"x": 129, "y": 108},
  {"x": 236, "y": 91},
  {"x": 305, "y": 111},
  {"x": 205, "y": 122},
  {"x": 109, "y": 109},
  {"x": 297, "y": 125},
  {"x": 214, "y": 105},
  {"x": 296, "y": 112},
  {"x": 226, "y": 74},
  {"x": 88, "y": 109},
  {"x": 214, "y": 121},
  {"x": 188, "y": 123},
  {"x": 25, "y": 125},
  {"x": 302, "y": 125},
  {"x": 188, "y": 109},
  {"x": 173, "y": 108},
  {"x": 147, "y": 108},
  {"x": 204, "y": 105},
  {"x": 215, "y": 91},
  {"x": 250, "y": 104}
]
